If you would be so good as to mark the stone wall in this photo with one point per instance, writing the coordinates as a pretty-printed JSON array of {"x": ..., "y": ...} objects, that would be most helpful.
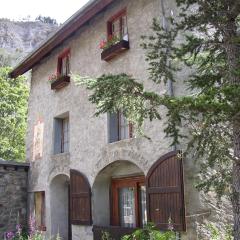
[{"x": 13, "y": 195}]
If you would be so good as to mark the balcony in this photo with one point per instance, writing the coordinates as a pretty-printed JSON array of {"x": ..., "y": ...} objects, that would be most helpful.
[
  {"x": 116, "y": 232},
  {"x": 60, "y": 82},
  {"x": 114, "y": 50}
]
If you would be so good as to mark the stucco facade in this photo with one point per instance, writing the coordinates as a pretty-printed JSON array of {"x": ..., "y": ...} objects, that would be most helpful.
[{"x": 89, "y": 150}]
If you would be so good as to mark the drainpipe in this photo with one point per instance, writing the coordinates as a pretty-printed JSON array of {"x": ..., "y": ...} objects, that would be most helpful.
[{"x": 169, "y": 82}]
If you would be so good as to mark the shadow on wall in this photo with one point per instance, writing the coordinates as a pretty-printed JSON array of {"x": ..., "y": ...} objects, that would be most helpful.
[{"x": 59, "y": 197}]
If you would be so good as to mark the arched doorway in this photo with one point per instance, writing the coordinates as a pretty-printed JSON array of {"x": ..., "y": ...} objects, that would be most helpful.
[
  {"x": 59, "y": 189},
  {"x": 117, "y": 192}
]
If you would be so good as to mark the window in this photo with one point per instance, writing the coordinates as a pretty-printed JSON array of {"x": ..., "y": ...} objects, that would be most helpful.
[
  {"x": 61, "y": 135},
  {"x": 119, "y": 128},
  {"x": 117, "y": 26},
  {"x": 129, "y": 202},
  {"x": 63, "y": 68},
  {"x": 39, "y": 207}
]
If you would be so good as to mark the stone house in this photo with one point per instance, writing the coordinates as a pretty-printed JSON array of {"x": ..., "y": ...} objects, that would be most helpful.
[{"x": 88, "y": 174}]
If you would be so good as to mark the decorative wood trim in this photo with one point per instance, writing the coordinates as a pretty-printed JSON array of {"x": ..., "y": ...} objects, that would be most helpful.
[
  {"x": 61, "y": 82},
  {"x": 114, "y": 50}
]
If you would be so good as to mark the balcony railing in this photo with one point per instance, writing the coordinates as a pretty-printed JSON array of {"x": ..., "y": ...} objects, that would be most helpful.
[{"x": 116, "y": 232}]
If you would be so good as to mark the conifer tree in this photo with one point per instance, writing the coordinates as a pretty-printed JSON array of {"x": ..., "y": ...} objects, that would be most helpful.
[{"x": 210, "y": 46}]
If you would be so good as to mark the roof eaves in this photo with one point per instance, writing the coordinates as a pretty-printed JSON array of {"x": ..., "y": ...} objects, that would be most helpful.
[{"x": 78, "y": 19}]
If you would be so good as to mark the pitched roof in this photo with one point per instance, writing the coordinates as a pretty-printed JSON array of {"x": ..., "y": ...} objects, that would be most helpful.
[{"x": 86, "y": 13}]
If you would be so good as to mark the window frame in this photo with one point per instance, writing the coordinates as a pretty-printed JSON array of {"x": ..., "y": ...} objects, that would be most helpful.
[
  {"x": 129, "y": 125},
  {"x": 114, "y": 18},
  {"x": 61, "y": 57},
  {"x": 136, "y": 182},
  {"x": 118, "y": 137},
  {"x": 64, "y": 140},
  {"x": 59, "y": 140}
]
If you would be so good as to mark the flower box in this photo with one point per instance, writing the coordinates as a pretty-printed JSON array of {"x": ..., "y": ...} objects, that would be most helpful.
[
  {"x": 60, "y": 82},
  {"x": 114, "y": 50}
]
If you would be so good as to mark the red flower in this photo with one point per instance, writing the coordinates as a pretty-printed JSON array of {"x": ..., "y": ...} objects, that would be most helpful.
[{"x": 102, "y": 44}]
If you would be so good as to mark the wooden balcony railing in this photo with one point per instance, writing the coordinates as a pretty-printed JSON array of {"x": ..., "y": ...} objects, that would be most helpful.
[{"x": 116, "y": 232}]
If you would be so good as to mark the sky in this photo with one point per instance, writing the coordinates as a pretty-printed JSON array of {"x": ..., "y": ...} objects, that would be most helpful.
[{"x": 60, "y": 10}]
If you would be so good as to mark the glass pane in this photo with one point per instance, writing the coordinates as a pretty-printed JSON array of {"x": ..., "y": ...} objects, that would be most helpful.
[
  {"x": 143, "y": 205},
  {"x": 65, "y": 135},
  {"x": 116, "y": 28},
  {"x": 127, "y": 207},
  {"x": 124, "y": 127}
]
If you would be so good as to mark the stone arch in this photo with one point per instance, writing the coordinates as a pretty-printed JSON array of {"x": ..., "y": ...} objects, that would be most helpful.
[
  {"x": 58, "y": 170},
  {"x": 59, "y": 205},
  {"x": 101, "y": 188},
  {"x": 111, "y": 156}
]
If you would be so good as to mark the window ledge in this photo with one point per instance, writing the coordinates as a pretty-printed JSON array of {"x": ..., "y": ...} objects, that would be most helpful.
[
  {"x": 126, "y": 140},
  {"x": 60, "y": 82},
  {"x": 57, "y": 155},
  {"x": 114, "y": 50}
]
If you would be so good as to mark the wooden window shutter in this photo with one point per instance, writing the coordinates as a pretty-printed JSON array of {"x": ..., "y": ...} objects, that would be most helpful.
[
  {"x": 165, "y": 192},
  {"x": 113, "y": 127},
  {"x": 80, "y": 199}
]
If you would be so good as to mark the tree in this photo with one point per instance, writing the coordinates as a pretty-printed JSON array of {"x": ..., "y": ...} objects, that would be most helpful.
[
  {"x": 13, "y": 111},
  {"x": 211, "y": 46},
  {"x": 48, "y": 20}
]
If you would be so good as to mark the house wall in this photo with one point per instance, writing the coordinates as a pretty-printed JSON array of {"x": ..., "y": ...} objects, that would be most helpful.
[
  {"x": 89, "y": 149},
  {"x": 13, "y": 198}
]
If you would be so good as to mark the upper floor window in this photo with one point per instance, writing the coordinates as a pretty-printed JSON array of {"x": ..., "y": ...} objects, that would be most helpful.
[
  {"x": 117, "y": 26},
  {"x": 63, "y": 67},
  {"x": 117, "y": 36},
  {"x": 61, "y": 135},
  {"x": 118, "y": 127}
]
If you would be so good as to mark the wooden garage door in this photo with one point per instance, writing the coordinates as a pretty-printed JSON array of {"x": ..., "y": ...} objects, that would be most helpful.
[{"x": 165, "y": 192}]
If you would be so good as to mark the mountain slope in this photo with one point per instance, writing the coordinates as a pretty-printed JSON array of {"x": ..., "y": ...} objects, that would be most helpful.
[{"x": 17, "y": 39}]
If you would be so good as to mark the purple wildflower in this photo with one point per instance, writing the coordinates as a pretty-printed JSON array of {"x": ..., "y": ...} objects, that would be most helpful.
[
  {"x": 10, "y": 235},
  {"x": 32, "y": 226},
  {"x": 19, "y": 229}
]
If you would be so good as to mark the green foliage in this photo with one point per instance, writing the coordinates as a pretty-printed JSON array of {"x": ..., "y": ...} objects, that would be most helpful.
[
  {"x": 219, "y": 234},
  {"x": 149, "y": 232},
  {"x": 13, "y": 110},
  {"x": 202, "y": 37},
  {"x": 106, "y": 236},
  {"x": 48, "y": 20}
]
